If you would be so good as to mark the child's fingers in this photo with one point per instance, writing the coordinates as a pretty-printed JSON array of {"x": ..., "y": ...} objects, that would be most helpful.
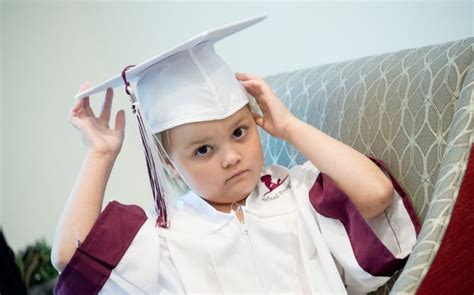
[
  {"x": 74, "y": 114},
  {"x": 255, "y": 85},
  {"x": 258, "y": 119},
  {"x": 120, "y": 121},
  {"x": 77, "y": 113},
  {"x": 247, "y": 76},
  {"x": 106, "y": 106},
  {"x": 254, "y": 88},
  {"x": 87, "y": 106},
  {"x": 79, "y": 104},
  {"x": 82, "y": 104}
]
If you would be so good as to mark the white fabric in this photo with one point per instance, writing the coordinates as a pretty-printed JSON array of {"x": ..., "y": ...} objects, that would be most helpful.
[
  {"x": 187, "y": 83},
  {"x": 284, "y": 246},
  {"x": 137, "y": 272},
  {"x": 191, "y": 86},
  {"x": 396, "y": 219},
  {"x": 393, "y": 228}
]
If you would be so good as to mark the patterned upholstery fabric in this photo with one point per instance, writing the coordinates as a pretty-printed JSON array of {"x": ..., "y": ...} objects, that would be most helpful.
[{"x": 413, "y": 109}]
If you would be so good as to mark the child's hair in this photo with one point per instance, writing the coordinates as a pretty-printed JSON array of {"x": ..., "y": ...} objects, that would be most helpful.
[{"x": 174, "y": 187}]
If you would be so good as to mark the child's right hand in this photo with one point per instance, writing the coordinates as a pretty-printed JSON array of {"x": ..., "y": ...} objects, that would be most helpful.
[{"x": 98, "y": 138}]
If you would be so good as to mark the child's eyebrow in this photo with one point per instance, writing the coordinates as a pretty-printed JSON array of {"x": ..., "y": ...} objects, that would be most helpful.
[
  {"x": 207, "y": 138},
  {"x": 238, "y": 122},
  {"x": 200, "y": 140}
]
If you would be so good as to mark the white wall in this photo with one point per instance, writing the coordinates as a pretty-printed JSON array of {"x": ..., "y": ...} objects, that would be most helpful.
[{"x": 49, "y": 49}]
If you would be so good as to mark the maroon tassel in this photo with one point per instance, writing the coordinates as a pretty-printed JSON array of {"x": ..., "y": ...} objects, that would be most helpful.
[{"x": 162, "y": 220}]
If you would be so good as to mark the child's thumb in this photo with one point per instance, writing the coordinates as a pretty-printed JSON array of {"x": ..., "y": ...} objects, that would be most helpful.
[{"x": 258, "y": 119}]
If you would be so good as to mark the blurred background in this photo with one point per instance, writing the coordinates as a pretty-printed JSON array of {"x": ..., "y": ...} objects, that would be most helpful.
[{"x": 49, "y": 48}]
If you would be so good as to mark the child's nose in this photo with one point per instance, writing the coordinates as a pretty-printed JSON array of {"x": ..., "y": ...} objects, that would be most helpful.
[{"x": 231, "y": 157}]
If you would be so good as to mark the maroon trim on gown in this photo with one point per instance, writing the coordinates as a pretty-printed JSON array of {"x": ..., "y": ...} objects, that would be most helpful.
[
  {"x": 102, "y": 249},
  {"x": 371, "y": 254}
]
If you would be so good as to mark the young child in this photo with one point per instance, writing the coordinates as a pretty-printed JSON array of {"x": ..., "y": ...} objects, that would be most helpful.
[{"x": 335, "y": 224}]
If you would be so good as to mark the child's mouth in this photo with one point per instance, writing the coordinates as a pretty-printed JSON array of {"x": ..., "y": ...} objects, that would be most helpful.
[{"x": 237, "y": 175}]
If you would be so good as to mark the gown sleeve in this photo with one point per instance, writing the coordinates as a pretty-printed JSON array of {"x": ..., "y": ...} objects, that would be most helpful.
[
  {"x": 120, "y": 255},
  {"x": 370, "y": 251}
]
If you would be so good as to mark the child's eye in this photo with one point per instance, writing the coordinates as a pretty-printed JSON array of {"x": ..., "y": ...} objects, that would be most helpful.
[
  {"x": 240, "y": 132},
  {"x": 202, "y": 151}
]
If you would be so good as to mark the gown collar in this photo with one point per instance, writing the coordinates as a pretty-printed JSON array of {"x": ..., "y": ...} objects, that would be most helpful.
[{"x": 269, "y": 198}]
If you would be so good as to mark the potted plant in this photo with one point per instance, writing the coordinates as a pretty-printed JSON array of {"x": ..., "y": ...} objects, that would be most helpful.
[{"x": 36, "y": 269}]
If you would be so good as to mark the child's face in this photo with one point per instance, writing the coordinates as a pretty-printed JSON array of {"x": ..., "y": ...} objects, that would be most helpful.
[{"x": 208, "y": 153}]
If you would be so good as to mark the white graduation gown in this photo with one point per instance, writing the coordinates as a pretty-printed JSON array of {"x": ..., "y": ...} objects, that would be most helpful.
[{"x": 301, "y": 235}]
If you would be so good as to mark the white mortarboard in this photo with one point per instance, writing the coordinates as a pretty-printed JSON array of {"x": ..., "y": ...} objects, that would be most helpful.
[{"x": 187, "y": 83}]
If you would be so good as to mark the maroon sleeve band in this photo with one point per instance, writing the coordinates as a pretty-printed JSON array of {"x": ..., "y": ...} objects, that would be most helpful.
[
  {"x": 371, "y": 254},
  {"x": 102, "y": 249},
  {"x": 406, "y": 200}
]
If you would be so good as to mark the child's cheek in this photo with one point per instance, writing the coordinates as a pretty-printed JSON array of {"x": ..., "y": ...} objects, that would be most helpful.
[{"x": 203, "y": 180}]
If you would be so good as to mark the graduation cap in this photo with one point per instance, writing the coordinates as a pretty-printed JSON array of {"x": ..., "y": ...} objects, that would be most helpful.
[{"x": 185, "y": 84}]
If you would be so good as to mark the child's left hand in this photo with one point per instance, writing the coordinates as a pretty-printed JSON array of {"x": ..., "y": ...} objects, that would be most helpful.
[{"x": 276, "y": 118}]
